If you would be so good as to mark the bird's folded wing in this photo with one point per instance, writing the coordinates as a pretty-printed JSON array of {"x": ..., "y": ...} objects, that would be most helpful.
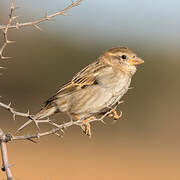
[{"x": 86, "y": 77}]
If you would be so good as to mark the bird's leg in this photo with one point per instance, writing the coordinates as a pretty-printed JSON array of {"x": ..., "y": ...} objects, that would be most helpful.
[
  {"x": 76, "y": 117},
  {"x": 113, "y": 113},
  {"x": 86, "y": 127}
]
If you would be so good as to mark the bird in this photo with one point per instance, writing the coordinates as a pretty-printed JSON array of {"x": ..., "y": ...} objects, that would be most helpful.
[{"x": 96, "y": 89}]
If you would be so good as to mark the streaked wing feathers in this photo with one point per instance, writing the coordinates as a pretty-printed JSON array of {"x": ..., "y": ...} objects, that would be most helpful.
[{"x": 82, "y": 79}]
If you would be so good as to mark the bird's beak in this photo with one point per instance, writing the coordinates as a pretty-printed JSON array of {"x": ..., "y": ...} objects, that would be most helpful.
[{"x": 135, "y": 61}]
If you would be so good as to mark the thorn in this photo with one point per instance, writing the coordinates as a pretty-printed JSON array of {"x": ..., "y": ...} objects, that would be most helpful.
[
  {"x": 24, "y": 125},
  {"x": 10, "y": 42},
  {"x": 76, "y": 5},
  {"x": 31, "y": 140},
  {"x": 64, "y": 126},
  {"x": 5, "y": 57},
  {"x": 65, "y": 14},
  {"x": 120, "y": 102},
  {"x": 54, "y": 124},
  {"x": 36, "y": 26},
  {"x": 28, "y": 113},
  {"x": 62, "y": 131},
  {"x": 3, "y": 67},
  {"x": 9, "y": 105},
  {"x": 57, "y": 134},
  {"x": 38, "y": 137},
  {"x": 17, "y": 26},
  {"x": 14, "y": 17},
  {"x": 120, "y": 114},
  {"x": 14, "y": 117},
  {"x": 103, "y": 121},
  {"x": 48, "y": 120},
  {"x": 36, "y": 123}
]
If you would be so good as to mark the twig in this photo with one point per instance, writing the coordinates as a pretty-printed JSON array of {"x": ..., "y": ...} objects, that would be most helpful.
[
  {"x": 17, "y": 25},
  {"x": 5, "y": 165},
  {"x": 54, "y": 130},
  {"x": 36, "y": 121},
  {"x": 26, "y": 115},
  {"x": 14, "y": 112},
  {"x": 4, "y": 138},
  {"x": 5, "y": 31}
]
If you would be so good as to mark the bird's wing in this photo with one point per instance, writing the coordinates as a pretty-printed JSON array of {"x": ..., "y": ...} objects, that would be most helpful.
[{"x": 86, "y": 77}]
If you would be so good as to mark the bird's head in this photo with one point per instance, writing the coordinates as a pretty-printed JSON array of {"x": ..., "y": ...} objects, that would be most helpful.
[{"x": 123, "y": 58}]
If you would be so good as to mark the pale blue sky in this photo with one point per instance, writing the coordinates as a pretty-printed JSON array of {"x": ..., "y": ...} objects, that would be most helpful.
[{"x": 156, "y": 21}]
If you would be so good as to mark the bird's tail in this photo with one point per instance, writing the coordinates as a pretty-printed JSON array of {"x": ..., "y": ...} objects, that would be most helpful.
[{"x": 46, "y": 112}]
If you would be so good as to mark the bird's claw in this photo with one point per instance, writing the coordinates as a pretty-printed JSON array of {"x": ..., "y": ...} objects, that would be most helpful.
[
  {"x": 86, "y": 127},
  {"x": 114, "y": 114}
]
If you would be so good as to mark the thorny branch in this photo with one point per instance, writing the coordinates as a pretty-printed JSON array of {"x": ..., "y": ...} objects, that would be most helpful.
[
  {"x": 5, "y": 164},
  {"x": 5, "y": 31},
  {"x": 4, "y": 138},
  {"x": 17, "y": 25},
  {"x": 14, "y": 112},
  {"x": 60, "y": 127},
  {"x": 26, "y": 115}
]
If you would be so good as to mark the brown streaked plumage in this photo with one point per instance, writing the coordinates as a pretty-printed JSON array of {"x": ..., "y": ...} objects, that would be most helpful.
[{"x": 96, "y": 88}]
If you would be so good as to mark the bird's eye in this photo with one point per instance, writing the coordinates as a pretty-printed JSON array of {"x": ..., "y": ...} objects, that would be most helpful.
[{"x": 124, "y": 56}]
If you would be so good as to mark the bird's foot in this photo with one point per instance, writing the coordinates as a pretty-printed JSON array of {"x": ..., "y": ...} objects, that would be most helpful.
[
  {"x": 85, "y": 125},
  {"x": 113, "y": 114}
]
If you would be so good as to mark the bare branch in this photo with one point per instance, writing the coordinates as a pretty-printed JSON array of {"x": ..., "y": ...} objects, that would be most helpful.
[
  {"x": 5, "y": 165},
  {"x": 5, "y": 31},
  {"x": 60, "y": 127},
  {"x": 4, "y": 138},
  {"x": 26, "y": 115},
  {"x": 45, "y": 18},
  {"x": 14, "y": 112},
  {"x": 17, "y": 25}
]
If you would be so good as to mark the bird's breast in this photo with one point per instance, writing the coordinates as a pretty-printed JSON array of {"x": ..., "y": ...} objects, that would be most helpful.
[
  {"x": 116, "y": 82},
  {"x": 121, "y": 86},
  {"x": 118, "y": 89}
]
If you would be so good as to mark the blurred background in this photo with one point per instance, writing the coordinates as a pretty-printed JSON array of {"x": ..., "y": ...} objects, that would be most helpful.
[{"x": 145, "y": 142}]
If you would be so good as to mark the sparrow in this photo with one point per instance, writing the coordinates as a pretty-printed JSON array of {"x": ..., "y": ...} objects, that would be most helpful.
[{"x": 96, "y": 89}]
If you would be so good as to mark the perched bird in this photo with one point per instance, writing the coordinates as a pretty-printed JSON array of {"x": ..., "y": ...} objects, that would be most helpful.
[{"x": 96, "y": 89}]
